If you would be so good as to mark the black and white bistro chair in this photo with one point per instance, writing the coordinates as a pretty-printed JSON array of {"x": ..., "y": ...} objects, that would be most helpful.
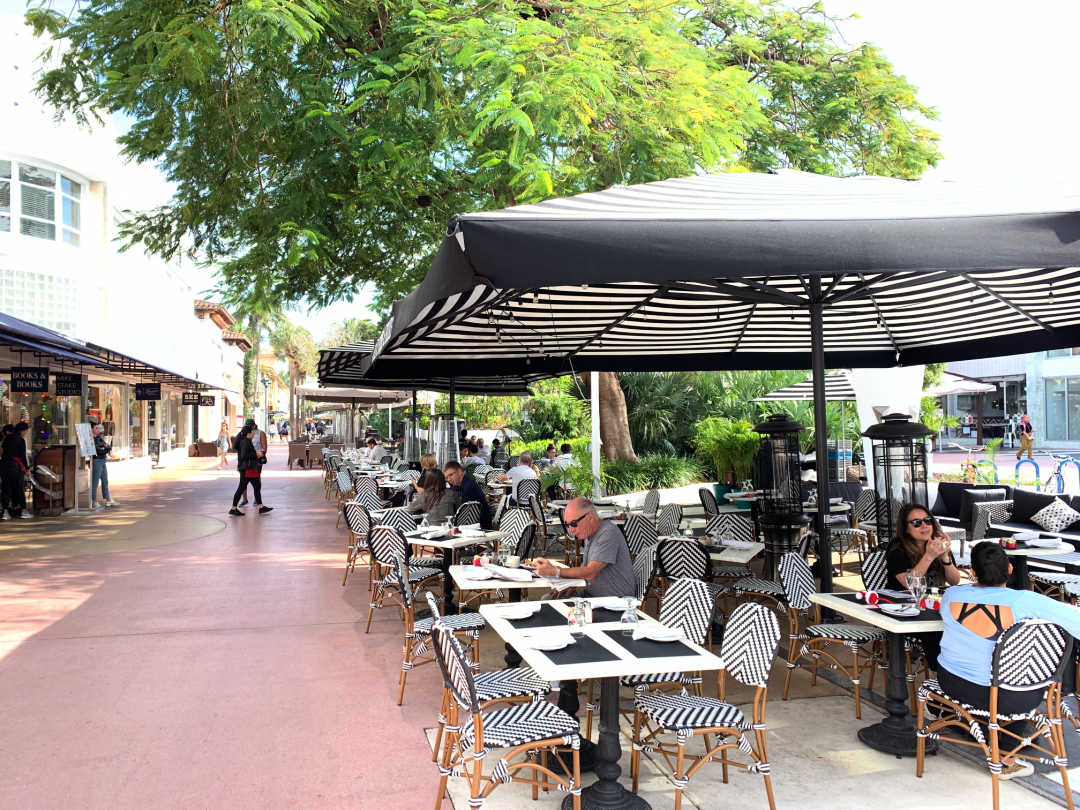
[
  {"x": 864, "y": 644},
  {"x": 708, "y": 502},
  {"x": 640, "y": 534},
  {"x": 416, "y": 648},
  {"x": 343, "y": 486},
  {"x": 467, "y": 514},
  {"x": 358, "y": 522},
  {"x": 668, "y": 519},
  {"x": 1030, "y": 655},
  {"x": 511, "y": 685},
  {"x": 747, "y": 651},
  {"x": 645, "y": 573},
  {"x": 875, "y": 573},
  {"x": 651, "y": 505},
  {"x": 480, "y": 472},
  {"x": 724, "y": 526},
  {"x": 386, "y": 544},
  {"x": 511, "y": 526},
  {"x": 687, "y": 606},
  {"x": 524, "y": 488},
  {"x": 331, "y": 464},
  {"x": 524, "y": 735},
  {"x": 544, "y": 532}
]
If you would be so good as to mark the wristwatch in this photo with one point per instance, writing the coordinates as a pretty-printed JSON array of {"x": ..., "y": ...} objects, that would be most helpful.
[{"x": 558, "y": 573}]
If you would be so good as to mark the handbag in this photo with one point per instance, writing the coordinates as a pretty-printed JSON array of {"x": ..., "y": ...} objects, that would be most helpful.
[{"x": 251, "y": 473}]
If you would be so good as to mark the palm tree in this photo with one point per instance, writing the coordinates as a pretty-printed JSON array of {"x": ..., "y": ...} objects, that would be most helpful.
[{"x": 296, "y": 345}]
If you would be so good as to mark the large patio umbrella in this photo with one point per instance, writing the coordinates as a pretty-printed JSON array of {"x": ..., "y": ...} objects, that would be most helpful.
[
  {"x": 745, "y": 271},
  {"x": 838, "y": 388},
  {"x": 354, "y": 398}
]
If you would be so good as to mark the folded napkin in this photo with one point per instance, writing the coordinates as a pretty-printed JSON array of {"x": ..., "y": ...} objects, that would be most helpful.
[
  {"x": 610, "y": 602},
  {"x": 471, "y": 531},
  {"x": 1043, "y": 542},
  {"x": 657, "y": 632},
  {"x": 475, "y": 572},
  {"x": 836, "y": 500},
  {"x": 520, "y": 611},
  {"x": 430, "y": 534},
  {"x": 1026, "y": 537},
  {"x": 469, "y": 527},
  {"x": 510, "y": 574}
]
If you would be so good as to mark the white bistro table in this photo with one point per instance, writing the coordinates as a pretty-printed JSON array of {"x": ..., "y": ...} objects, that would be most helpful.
[
  {"x": 601, "y": 651},
  {"x": 896, "y": 733},
  {"x": 449, "y": 545},
  {"x": 735, "y": 556}
]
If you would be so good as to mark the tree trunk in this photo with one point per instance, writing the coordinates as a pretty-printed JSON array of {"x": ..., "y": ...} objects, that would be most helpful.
[
  {"x": 614, "y": 424},
  {"x": 251, "y": 365}
]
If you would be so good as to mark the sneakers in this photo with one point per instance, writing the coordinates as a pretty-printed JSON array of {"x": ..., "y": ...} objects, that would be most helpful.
[
  {"x": 97, "y": 507},
  {"x": 264, "y": 509},
  {"x": 5, "y": 516},
  {"x": 1018, "y": 769},
  {"x": 26, "y": 516},
  {"x": 110, "y": 503},
  {"x": 236, "y": 512}
]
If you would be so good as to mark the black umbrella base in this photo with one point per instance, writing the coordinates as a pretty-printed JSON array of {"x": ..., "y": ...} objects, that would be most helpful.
[
  {"x": 601, "y": 796},
  {"x": 894, "y": 738}
]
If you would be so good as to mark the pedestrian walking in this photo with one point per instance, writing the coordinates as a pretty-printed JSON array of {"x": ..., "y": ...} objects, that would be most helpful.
[
  {"x": 13, "y": 464},
  {"x": 283, "y": 430},
  {"x": 258, "y": 440},
  {"x": 223, "y": 442},
  {"x": 98, "y": 471},
  {"x": 249, "y": 464},
  {"x": 1027, "y": 437}
]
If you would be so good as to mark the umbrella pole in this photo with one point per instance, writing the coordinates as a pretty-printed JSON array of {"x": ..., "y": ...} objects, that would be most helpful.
[
  {"x": 594, "y": 412},
  {"x": 817, "y": 355}
]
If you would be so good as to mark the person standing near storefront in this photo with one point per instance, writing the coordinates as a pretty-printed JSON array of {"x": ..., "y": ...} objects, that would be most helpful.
[
  {"x": 13, "y": 470},
  {"x": 99, "y": 472},
  {"x": 223, "y": 442},
  {"x": 1026, "y": 430}
]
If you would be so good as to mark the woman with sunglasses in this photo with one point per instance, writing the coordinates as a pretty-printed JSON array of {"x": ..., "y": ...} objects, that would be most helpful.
[{"x": 920, "y": 547}]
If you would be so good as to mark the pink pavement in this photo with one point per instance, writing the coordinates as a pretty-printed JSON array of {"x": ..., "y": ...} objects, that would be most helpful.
[{"x": 229, "y": 671}]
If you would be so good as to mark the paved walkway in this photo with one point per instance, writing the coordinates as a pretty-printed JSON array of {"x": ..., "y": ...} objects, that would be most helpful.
[
  {"x": 164, "y": 655},
  {"x": 220, "y": 668}
]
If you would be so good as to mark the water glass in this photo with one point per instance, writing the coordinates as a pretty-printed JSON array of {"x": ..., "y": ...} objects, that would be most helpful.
[
  {"x": 917, "y": 585},
  {"x": 629, "y": 618}
]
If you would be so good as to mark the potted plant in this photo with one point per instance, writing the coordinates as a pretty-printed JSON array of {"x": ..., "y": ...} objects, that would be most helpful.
[
  {"x": 740, "y": 444},
  {"x": 710, "y": 446}
]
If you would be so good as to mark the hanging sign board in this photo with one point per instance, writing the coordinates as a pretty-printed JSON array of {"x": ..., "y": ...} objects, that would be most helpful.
[
  {"x": 189, "y": 398},
  {"x": 85, "y": 436},
  {"x": 207, "y": 400},
  {"x": 148, "y": 391},
  {"x": 153, "y": 447},
  {"x": 68, "y": 385},
  {"x": 30, "y": 379}
]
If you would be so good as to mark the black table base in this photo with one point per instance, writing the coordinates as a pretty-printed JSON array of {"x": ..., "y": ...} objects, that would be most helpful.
[
  {"x": 896, "y": 733},
  {"x": 606, "y": 793}
]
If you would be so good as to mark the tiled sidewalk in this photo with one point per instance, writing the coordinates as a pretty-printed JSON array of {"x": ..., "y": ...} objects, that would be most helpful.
[{"x": 163, "y": 655}]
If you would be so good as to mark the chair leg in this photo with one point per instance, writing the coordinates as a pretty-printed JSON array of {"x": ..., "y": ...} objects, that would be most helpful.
[
  {"x": 679, "y": 775},
  {"x": 588, "y": 709},
  {"x": 920, "y": 741},
  {"x": 443, "y": 709},
  {"x": 635, "y": 754},
  {"x": 406, "y": 665},
  {"x": 577, "y": 778},
  {"x": 855, "y": 683}
]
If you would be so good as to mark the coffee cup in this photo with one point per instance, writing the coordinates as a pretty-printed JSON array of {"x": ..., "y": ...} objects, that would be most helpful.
[{"x": 513, "y": 561}]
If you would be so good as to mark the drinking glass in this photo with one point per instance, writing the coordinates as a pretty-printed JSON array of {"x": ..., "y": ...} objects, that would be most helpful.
[
  {"x": 629, "y": 618},
  {"x": 917, "y": 585}
]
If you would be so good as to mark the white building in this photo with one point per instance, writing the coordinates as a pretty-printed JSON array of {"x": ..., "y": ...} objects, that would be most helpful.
[{"x": 63, "y": 190}]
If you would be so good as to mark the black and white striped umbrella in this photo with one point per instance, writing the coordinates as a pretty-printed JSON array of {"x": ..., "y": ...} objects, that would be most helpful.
[
  {"x": 838, "y": 388},
  {"x": 342, "y": 366},
  {"x": 741, "y": 270},
  {"x": 728, "y": 270}
]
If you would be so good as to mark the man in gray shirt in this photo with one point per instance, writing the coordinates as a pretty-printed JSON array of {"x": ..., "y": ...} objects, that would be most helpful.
[{"x": 606, "y": 567}]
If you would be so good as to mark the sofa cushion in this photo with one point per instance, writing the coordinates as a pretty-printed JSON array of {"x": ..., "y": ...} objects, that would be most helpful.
[
  {"x": 968, "y": 497},
  {"x": 949, "y": 493},
  {"x": 1026, "y": 503},
  {"x": 1056, "y": 516}
]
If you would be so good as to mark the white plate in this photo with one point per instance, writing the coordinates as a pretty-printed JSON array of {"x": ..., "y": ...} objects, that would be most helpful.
[
  {"x": 900, "y": 610},
  {"x": 551, "y": 644},
  {"x": 514, "y": 612},
  {"x": 663, "y": 634}
]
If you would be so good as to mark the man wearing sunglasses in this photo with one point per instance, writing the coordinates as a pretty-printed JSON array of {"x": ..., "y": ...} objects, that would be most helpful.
[{"x": 606, "y": 567}]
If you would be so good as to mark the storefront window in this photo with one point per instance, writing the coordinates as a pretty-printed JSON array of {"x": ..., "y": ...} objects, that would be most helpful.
[
  {"x": 1056, "y": 414},
  {"x": 50, "y": 417},
  {"x": 107, "y": 403},
  {"x": 136, "y": 410}
]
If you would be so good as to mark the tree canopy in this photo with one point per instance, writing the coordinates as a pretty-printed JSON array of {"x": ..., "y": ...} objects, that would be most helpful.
[{"x": 318, "y": 145}]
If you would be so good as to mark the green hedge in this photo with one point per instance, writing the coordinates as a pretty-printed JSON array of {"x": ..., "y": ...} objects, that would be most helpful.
[
  {"x": 653, "y": 471},
  {"x": 538, "y": 447}
]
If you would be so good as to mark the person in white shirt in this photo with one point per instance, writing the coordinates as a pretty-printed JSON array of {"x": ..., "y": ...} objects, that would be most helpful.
[
  {"x": 482, "y": 451},
  {"x": 375, "y": 452},
  {"x": 565, "y": 458},
  {"x": 470, "y": 455},
  {"x": 522, "y": 470}
]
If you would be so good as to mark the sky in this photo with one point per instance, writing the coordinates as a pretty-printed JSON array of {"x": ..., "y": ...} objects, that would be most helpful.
[{"x": 1001, "y": 75}]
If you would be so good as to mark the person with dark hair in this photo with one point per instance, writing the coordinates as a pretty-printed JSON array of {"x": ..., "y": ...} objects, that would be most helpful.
[
  {"x": 470, "y": 455},
  {"x": 5, "y": 431},
  {"x": 249, "y": 463},
  {"x": 437, "y": 501},
  {"x": 468, "y": 490},
  {"x": 921, "y": 547},
  {"x": 99, "y": 472},
  {"x": 975, "y": 616},
  {"x": 13, "y": 464}
]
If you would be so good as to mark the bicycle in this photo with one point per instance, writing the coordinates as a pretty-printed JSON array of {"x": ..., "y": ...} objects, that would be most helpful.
[
  {"x": 970, "y": 469},
  {"x": 1056, "y": 477}
]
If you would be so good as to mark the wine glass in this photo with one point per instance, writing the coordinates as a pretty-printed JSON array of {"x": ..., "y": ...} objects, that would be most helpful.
[
  {"x": 917, "y": 584},
  {"x": 629, "y": 619}
]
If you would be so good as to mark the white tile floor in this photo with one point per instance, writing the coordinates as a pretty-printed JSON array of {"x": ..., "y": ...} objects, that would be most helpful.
[{"x": 817, "y": 763}]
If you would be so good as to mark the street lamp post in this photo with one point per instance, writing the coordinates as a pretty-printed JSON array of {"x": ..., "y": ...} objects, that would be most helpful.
[{"x": 266, "y": 403}]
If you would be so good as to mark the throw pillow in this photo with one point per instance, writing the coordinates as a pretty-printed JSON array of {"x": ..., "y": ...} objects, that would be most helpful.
[
  {"x": 1026, "y": 503},
  {"x": 970, "y": 497},
  {"x": 1055, "y": 516}
]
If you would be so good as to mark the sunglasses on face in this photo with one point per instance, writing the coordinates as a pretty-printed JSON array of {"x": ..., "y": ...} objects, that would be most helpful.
[
  {"x": 917, "y": 522},
  {"x": 573, "y": 523}
]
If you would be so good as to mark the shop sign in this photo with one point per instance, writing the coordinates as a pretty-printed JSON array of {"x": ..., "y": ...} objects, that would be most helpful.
[
  {"x": 30, "y": 378},
  {"x": 189, "y": 398},
  {"x": 68, "y": 385},
  {"x": 207, "y": 400},
  {"x": 147, "y": 391}
]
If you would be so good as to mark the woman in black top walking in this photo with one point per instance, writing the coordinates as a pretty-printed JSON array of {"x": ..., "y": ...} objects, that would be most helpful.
[
  {"x": 12, "y": 470},
  {"x": 249, "y": 464}
]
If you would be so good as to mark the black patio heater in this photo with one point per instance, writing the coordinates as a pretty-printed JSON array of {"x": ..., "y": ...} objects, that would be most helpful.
[
  {"x": 780, "y": 514},
  {"x": 899, "y": 464}
]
